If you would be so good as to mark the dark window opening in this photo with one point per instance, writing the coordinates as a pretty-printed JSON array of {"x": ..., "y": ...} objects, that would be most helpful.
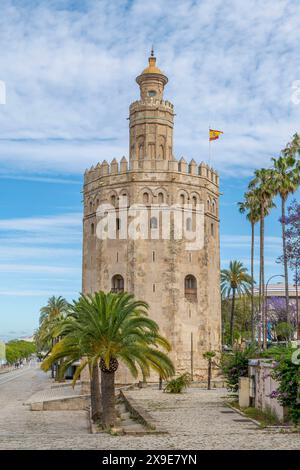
[
  {"x": 190, "y": 288},
  {"x": 117, "y": 283},
  {"x": 153, "y": 222}
]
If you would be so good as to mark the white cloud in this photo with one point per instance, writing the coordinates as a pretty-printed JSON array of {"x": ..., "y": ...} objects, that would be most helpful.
[
  {"x": 35, "y": 293},
  {"x": 244, "y": 241},
  {"x": 38, "y": 268},
  {"x": 42, "y": 224},
  {"x": 69, "y": 75}
]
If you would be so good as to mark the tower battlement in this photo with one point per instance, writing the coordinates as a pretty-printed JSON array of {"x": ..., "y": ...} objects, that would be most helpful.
[
  {"x": 151, "y": 102},
  {"x": 182, "y": 167}
]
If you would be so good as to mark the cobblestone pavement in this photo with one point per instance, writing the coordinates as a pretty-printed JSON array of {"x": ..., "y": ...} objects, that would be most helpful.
[{"x": 195, "y": 420}]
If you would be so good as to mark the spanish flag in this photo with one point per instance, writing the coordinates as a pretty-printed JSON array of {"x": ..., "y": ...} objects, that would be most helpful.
[{"x": 214, "y": 135}]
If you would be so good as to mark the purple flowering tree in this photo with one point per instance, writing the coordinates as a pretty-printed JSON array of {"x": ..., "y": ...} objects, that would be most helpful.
[{"x": 292, "y": 222}]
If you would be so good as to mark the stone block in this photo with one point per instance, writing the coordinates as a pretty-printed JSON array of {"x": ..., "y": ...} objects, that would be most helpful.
[{"x": 244, "y": 392}]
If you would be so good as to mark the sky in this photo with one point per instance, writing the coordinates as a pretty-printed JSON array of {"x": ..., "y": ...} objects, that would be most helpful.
[{"x": 69, "y": 71}]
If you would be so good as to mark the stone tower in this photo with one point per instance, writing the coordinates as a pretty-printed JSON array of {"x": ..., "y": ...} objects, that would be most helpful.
[{"x": 179, "y": 281}]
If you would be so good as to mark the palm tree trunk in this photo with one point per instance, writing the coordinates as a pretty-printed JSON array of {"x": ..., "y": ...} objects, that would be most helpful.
[
  {"x": 209, "y": 375},
  {"x": 95, "y": 393},
  {"x": 232, "y": 316},
  {"x": 252, "y": 285},
  {"x": 52, "y": 365},
  {"x": 285, "y": 261},
  {"x": 262, "y": 269},
  {"x": 108, "y": 399},
  {"x": 259, "y": 293}
]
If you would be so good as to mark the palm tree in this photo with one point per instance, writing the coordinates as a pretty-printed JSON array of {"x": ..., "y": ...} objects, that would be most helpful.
[
  {"x": 252, "y": 207},
  {"x": 293, "y": 147},
  {"x": 262, "y": 187},
  {"x": 50, "y": 318},
  {"x": 209, "y": 355},
  {"x": 106, "y": 328},
  {"x": 286, "y": 180},
  {"x": 234, "y": 280}
]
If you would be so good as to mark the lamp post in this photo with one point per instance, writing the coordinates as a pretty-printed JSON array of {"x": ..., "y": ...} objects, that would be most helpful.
[{"x": 265, "y": 326}]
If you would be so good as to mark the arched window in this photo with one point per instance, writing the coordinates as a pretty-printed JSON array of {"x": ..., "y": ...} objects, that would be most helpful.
[
  {"x": 190, "y": 287},
  {"x": 161, "y": 152},
  {"x": 188, "y": 224},
  {"x": 194, "y": 200},
  {"x": 145, "y": 198},
  {"x": 208, "y": 205},
  {"x": 160, "y": 198},
  {"x": 117, "y": 283},
  {"x": 141, "y": 151},
  {"x": 113, "y": 200},
  {"x": 182, "y": 199},
  {"x": 92, "y": 229},
  {"x": 153, "y": 222},
  {"x": 213, "y": 207},
  {"x": 91, "y": 206},
  {"x": 124, "y": 198}
]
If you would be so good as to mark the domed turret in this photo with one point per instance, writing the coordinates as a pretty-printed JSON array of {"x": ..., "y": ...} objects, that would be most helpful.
[
  {"x": 152, "y": 80},
  {"x": 151, "y": 118}
]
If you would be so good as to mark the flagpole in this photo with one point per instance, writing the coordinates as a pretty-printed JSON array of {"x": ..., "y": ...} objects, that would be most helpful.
[{"x": 209, "y": 148}]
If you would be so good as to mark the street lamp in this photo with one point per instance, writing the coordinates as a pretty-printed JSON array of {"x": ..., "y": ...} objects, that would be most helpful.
[{"x": 265, "y": 329}]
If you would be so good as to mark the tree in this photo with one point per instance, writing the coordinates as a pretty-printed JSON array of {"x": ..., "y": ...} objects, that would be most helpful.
[
  {"x": 234, "y": 280},
  {"x": 277, "y": 316},
  {"x": 51, "y": 316},
  {"x": 251, "y": 206},
  {"x": 105, "y": 329},
  {"x": 292, "y": 223},
  {"x": 17, "y": 350},
  {"x": 209, "y": 355},
  {"x": 262, "y": 187},
  {"x": 286, "y": 179}
]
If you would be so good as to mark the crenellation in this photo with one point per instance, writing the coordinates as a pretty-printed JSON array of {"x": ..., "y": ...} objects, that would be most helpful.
[
  {"x": 193, "y": 167},
  {"x": 182, "y": 165},
  {"x": 123, "y": 165},
  {"x": 104, "y": 168},
  {"x": 151, "y": 102},
  {"x": 114, "y": 167}
]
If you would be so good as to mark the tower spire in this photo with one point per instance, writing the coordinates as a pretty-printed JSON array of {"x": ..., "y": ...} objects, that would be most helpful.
[{"x": 152, "y": 51}]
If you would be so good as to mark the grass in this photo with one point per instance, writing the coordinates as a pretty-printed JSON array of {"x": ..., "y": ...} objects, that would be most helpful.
[{"x": 265, "y": 418}]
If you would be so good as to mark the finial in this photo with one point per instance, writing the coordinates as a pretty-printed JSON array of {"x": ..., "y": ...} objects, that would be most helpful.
[{"x": 152, "y": 51}]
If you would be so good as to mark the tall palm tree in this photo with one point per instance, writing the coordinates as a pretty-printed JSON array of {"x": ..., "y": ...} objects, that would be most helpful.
[
  {"x": 234, "y": 280},
  {"x": 286, "y": 180},
  {"x": 108, "y": 328},
  {"x": 262, "y": 187},
  {"x": 50, "y": 317},
  {"x": 293, "y": 147},
  {"x": 252, "y": 207}
]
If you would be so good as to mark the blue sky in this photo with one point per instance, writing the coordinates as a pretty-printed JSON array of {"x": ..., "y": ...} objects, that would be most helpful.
[{"x": 69, "y": 69}]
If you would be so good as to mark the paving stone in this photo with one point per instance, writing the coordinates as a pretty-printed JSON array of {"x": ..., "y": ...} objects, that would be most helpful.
[{"x": 194, "y": 420}]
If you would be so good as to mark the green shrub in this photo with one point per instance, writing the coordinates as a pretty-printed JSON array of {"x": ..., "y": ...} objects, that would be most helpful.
[
  {"x": 235, "y": 365},
  {"x": 284, "y": 331},
  {"x": 179, "y": 384},
  {"x": 287, "y": 373}
]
